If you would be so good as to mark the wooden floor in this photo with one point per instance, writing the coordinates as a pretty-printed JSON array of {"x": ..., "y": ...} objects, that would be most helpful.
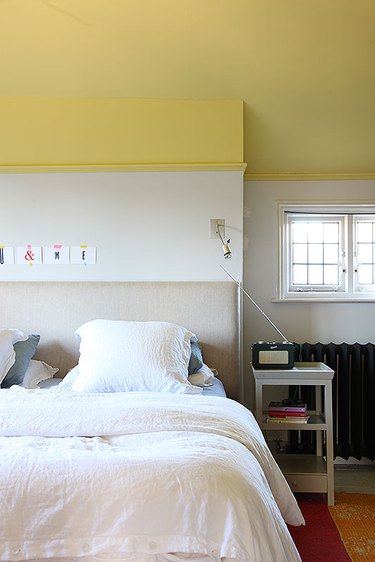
[{"x": 359, "y": 480}]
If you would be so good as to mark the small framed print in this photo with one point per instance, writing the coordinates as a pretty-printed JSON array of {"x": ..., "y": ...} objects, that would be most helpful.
[
  {"x": 85, "y": 255},
  {"x": 56, "y": 255},
  {"x": 6, "y": 255},
  {"x": 28, "y": 255}
]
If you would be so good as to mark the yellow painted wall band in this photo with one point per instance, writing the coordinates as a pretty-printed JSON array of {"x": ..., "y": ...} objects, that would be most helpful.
[{"x": 118, "y": 132}]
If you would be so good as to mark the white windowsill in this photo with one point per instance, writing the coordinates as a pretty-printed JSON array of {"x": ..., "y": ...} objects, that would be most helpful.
[{"x": 324, "y": 299}]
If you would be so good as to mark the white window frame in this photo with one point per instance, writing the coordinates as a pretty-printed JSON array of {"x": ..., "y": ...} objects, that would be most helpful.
[{"x": 348, "y": 288}]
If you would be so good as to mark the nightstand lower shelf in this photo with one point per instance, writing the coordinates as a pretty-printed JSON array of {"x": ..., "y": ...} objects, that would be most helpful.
[{"x": 304, "y": 473}]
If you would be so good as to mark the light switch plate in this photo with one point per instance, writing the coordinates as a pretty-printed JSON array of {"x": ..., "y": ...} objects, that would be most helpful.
[{"x": 214, "y": 223}]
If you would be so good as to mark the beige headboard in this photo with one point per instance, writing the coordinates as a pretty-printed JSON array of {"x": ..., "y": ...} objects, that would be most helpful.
[{"x": 56, "y": 309}]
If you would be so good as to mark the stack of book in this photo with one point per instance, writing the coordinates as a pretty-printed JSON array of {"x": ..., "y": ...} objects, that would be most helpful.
[{"x": 279, "y": 412}]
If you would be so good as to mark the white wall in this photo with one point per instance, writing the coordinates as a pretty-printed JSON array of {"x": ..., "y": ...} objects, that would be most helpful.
[
  {"x": 146, "y": 226},
  {"x": 300, "y": 322}
]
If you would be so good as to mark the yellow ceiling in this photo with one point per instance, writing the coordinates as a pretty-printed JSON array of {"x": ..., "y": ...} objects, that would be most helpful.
[{"x": 304, "y": 68}]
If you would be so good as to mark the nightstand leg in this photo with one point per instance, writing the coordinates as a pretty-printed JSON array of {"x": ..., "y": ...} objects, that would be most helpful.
[
  {"x": 329, "y": 444},
  {"x": 258, "y": 402},
  {"x": 318, "y": 408}
]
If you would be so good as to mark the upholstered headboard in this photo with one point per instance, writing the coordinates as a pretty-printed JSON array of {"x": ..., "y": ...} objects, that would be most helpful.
[{"x": 56, "y": 309}]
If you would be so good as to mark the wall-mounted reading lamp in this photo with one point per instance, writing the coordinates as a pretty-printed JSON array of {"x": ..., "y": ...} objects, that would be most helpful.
[
  {"x": 226, "y": 249},
  {"x": 220, "y": 232}
]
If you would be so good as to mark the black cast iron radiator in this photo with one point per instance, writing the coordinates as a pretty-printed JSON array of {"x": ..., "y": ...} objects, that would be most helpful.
[{"x": 353, "y": 396}]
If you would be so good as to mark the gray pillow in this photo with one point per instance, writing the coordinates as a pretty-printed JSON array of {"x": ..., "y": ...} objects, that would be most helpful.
[
  {"x": 24, "y": 352},
  {"x": 196, "y": 358}
]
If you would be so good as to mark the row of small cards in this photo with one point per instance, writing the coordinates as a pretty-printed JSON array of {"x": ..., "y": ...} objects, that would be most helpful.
[{"x": 48, "y": 255}]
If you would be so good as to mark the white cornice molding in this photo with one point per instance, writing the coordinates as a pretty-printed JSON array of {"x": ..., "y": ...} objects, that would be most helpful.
[
  {"x": 61, "y": 168},
  {"x": 308, "y": 176}
]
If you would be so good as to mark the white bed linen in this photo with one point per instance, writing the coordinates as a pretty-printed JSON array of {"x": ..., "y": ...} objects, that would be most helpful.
[
  {"x": 138, "y": 474},
  {"x": 7, "y": 354}
]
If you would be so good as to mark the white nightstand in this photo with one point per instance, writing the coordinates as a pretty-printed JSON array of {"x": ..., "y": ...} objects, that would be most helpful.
[{"x": 304, "y": 473}]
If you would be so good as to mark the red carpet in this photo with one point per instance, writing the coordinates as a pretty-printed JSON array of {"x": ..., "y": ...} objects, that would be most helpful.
[{"x": 319, "y": 540}]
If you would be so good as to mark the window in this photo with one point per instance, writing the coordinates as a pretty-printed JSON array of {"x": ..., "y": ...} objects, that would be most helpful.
[
  {"x": 364, "y": 252},
  {"x": 327, "y": 252}
]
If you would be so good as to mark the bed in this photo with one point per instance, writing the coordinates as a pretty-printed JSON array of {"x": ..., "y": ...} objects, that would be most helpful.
[{"x": 126, "y": 458}]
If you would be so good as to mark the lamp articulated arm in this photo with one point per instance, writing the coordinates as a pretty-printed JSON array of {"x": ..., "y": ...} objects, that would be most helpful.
[{"x": 255, "y": 304}]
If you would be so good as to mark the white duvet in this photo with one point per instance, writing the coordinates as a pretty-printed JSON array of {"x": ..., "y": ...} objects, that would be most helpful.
[{"x": 133, "y": 476}]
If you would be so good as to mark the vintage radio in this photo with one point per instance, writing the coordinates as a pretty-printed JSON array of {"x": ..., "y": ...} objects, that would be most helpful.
[{"x": 273, "y": 355}]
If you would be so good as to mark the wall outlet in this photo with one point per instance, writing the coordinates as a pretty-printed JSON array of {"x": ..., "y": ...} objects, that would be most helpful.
[{"x": 214, "y": 223}]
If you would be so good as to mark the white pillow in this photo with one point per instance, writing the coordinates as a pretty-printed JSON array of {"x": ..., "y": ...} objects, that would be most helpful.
[
  {"x": 70, "y": 378},
  {"x": 7, "y": 354},
  {"x": 122, "y": 356},
  {"x": 203, "y": 377},
  {"x": 36, "y": 372}
]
